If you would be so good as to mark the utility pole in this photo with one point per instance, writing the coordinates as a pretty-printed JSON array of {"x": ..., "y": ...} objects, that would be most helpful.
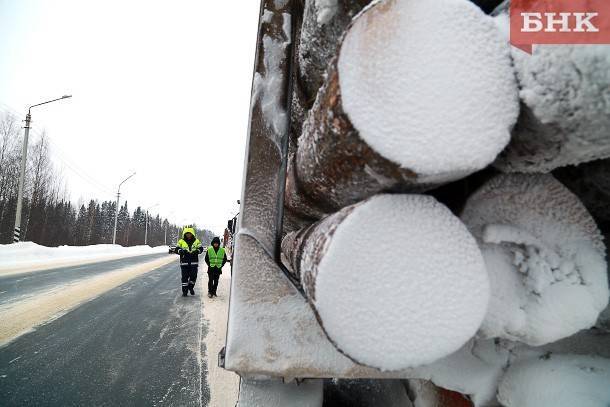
[
  {"x": 24, "y": 157},
  {"x": 146, "y": 224},
  {"x": 167, "y": 223},
  {"x": 116, "y": 212}
]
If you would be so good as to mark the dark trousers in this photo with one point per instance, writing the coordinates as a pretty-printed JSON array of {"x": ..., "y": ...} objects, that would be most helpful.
[
  {"x": 189, "y": 276},
  {"x": 213, "y": 276}
]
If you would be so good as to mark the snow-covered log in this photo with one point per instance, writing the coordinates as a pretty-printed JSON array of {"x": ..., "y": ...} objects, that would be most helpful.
[
  {"x": 565, "y": 115},
  {"x": 544, "y": 255},
  {"x": 324, "y": 22},
  {"x": 293, "y": 222},
  {"x": 296, "y": 200},
  {"x": 591, "y": 183},
  {"x": 474, "y": 370},
  {"x": 395, "y": 281},
  {"x": 299, "y": 211},
  {"x": 557, "y": 381},
  {"x": 392, "y": 113}
]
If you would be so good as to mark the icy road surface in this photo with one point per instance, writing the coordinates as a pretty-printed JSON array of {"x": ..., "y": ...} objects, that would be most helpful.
[
  {"x": 17, "y": 287},
  {"x": 141, "y": 343}
]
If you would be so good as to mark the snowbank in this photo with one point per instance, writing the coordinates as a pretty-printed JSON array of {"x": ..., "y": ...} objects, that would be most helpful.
[
  {"x": 557, "y": 381},
  {"x": 28, "y": 256}
]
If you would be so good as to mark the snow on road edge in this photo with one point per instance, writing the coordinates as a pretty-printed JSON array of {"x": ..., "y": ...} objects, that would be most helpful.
[
  {"x": 23, "y": 316},
  {"x": 223, "y": 384},
  {"x": 25, "y": 257}
]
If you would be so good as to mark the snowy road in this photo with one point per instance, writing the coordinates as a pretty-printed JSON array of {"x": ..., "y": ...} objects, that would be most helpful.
[
  {"x": 137, "y": 344},
  {"x": 20, "y": 286}
]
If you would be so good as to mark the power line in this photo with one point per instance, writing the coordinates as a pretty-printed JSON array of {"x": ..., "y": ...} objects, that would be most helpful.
[
  {"x": 77, "y": 169},
  {"x": 62, "y": 156}
]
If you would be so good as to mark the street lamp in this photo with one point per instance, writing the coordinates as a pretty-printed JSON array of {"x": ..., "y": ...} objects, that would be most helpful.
[
  {"x": 24, "y": 154},
  {"x": 146, "y": 223},
  {"x": 116, "y": 212}
]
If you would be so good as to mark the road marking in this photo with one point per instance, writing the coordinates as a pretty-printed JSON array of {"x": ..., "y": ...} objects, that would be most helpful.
[{"x": 23, "y": 316}]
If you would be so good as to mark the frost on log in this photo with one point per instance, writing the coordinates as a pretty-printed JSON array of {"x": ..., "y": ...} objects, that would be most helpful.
[
  {"x": 545, "y": 258},
  {"x": 391, "y": 114},
  {"x": 395, "y": 281},
  {"x": 565, "y": 114}
]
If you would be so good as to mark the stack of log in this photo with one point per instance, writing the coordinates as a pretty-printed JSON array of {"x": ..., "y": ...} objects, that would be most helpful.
[{"x": 410, "y": 224}]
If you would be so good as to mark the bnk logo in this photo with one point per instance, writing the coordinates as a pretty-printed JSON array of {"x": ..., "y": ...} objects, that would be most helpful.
[
  {"x": 533, "y": 22},
  {"x": 559, "y": 22}
]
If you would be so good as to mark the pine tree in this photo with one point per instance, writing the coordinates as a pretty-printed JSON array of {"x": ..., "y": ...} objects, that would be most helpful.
[{"x": 80, "y": 232}]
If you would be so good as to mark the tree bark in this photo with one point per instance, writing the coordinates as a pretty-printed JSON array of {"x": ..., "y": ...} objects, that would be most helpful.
[
  {"x": 324, "y": 22},
  {"x": 563, "y": 120},
  {"x": 339, "y": 162}
]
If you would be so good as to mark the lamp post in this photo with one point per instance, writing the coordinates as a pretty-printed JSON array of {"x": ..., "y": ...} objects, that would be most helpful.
[
  {"x": 24, "y": 155},
  {"x": 116, "y": 212},
  {"x": 146, "y": 224}
]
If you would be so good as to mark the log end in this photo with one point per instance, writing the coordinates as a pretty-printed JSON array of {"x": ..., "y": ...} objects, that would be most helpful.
[
  {"x": 406, "y": 69},
  {"x": 401, "y": 283},
  {"x": 544, "y": 255},
  {"x": 557, "y": 380}
]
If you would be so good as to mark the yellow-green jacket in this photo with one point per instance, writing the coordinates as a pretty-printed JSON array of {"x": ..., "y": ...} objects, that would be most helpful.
[{"x": 189, "y": 251}]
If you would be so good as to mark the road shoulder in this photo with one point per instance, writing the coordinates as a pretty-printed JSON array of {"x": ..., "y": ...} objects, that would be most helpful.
[{"x": 224, "y": 385}]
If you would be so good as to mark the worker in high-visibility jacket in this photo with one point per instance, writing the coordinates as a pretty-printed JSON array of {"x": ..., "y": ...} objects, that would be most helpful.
[
  {"x": 189, "y": 248},
  {"x": 215, "y": 258}
]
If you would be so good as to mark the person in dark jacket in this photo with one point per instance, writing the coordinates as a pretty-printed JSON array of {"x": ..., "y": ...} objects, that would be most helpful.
[
  {"x": 189, "y": 248},
  {"x": 215, "y": 258}
]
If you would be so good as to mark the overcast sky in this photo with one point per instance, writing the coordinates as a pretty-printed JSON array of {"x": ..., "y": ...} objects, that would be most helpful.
[{"x": 150, "y": 80}]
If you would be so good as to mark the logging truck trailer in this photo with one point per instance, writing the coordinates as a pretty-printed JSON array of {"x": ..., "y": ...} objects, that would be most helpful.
[
  {"x": 379, "y": 105},
  {"x": 274, "y": 342}
]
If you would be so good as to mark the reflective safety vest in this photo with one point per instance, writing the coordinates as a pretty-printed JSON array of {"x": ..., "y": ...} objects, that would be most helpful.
[
  {"x": 182, "y": 244},
  {"x": 216, "y": 257}
]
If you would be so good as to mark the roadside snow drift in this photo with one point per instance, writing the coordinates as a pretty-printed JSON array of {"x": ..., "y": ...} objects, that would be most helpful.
[
  {"x": 26, "y": 255},
  {"x": 544, "y": 255},
  {"x": 396, "y": 281}
]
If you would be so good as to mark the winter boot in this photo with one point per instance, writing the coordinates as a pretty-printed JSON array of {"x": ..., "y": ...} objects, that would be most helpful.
[
  {"x": 210, "y": 295},
  {"x": 192, "y": 289}
]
